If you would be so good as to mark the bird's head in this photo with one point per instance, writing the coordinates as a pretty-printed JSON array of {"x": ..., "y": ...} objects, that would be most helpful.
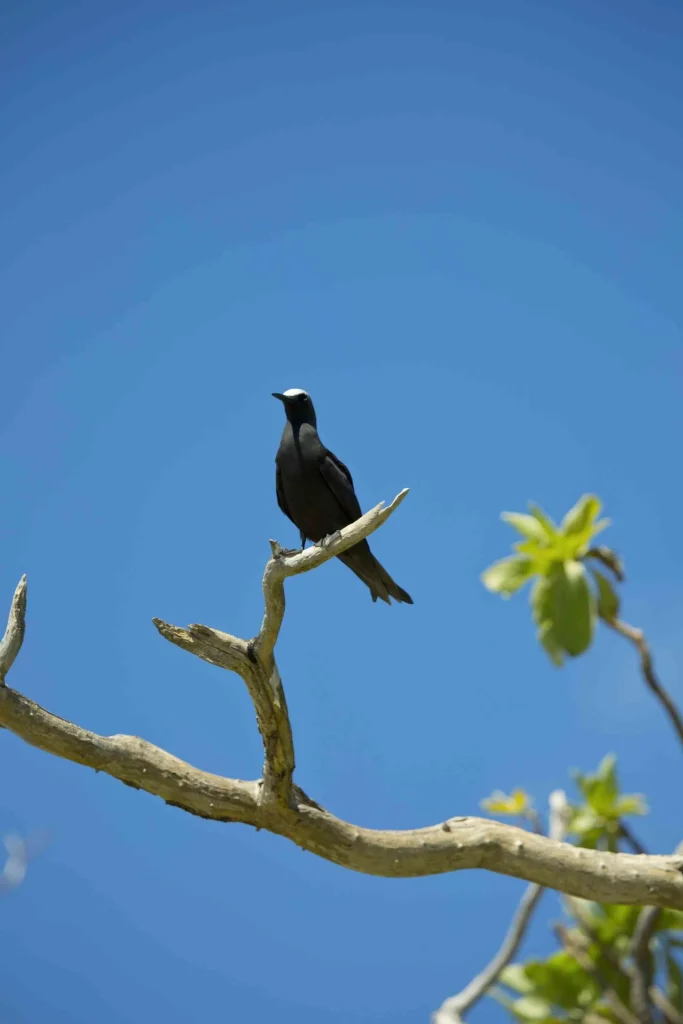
[{"x": 298, "y": 406}]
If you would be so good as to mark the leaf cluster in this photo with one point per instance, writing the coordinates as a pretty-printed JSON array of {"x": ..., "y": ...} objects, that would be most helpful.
[
  {"x": 569, "y": 592},
  {"x": 574, "y": 983}
]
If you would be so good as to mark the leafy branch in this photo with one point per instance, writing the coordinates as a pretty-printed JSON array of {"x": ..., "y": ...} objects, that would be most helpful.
[
  {"x": 569, "y": 593},
  {"x": 610, "y": 955}
]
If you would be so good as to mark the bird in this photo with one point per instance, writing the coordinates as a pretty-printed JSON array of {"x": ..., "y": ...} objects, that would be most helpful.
[{"x": 315, "y": 490}]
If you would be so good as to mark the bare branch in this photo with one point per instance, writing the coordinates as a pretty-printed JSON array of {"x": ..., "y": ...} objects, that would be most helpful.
[
  {"x": 10, "y": 645},
  {"x": 452, "y": 845},
  {"x": 282, "y": 565},
  {"x": 452, "y": 1009},
  {"x": 276, "y": 804},
  {"x": 265, "y": 689},
  {"x": 640, "y": 975},
  {"x": 134, "y": 761},
  {"x": 637, "y": 638},
  {"x": 254, "y": 661}
]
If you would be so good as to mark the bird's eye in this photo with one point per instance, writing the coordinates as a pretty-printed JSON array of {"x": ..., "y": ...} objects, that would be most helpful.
[{"x": 303, "y": 398}]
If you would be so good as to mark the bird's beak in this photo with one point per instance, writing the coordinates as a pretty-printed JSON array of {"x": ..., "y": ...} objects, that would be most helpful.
[{"x": 281, "y": 397}]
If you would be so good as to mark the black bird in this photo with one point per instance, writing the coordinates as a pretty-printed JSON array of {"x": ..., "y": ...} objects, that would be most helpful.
[{"x": 315, "y": 490}]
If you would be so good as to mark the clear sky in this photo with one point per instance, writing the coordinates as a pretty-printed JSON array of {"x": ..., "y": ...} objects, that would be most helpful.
[{"x": 459, "y": 225}]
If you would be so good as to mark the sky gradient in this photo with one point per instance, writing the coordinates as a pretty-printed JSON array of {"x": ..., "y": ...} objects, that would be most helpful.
[{"x": 459, "y": 226}]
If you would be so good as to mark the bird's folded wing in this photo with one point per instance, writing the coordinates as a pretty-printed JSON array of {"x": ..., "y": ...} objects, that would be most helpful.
[
  {"x": 279, "y": 490},
  {"x": 338, "y": 479}
]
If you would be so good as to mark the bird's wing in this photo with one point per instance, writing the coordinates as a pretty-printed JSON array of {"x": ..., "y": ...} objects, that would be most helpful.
[
  {"x": 339, "y": 480},
  {"x": 279, "y": 491}
]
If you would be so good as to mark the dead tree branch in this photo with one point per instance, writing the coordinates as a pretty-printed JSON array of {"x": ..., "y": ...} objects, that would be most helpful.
[
  {"x": 276, "y": 804},
  {"x": 10, "y": 645}
]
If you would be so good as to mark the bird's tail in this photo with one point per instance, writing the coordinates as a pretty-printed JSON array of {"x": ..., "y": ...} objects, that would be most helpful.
[
  {"x": 392, "y": 589},
  {"x": 366, "y": 567}
]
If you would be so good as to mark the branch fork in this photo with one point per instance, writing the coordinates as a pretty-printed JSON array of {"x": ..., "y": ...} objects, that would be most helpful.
[{"x": 277, "y": 804}]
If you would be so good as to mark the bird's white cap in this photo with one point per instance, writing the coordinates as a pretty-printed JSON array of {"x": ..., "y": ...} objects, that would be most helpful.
[{"x": 293, "y": 392}]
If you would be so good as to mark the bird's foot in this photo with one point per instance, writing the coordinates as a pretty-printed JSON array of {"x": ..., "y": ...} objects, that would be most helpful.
[
  {"x": 280, "y": 552},
  {"x": 331, "y": 537}
]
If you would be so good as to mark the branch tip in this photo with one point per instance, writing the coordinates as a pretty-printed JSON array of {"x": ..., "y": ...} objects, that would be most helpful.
[{"x": 10, "y": 645}]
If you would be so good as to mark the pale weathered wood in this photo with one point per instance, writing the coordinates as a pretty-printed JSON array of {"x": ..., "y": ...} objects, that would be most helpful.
[
  {"x": 275, "y": 803},
  {"x": 10, "y": 645},
  {"x": 449, "y": 846}
]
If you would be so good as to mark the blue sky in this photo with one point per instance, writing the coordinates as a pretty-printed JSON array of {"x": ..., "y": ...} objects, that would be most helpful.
[{"x": 459, "y": 225}]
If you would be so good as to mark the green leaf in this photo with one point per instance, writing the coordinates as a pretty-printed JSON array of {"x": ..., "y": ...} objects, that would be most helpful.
[
  {"x": 580, "y": 519},
  {"x": 674, "y": 988},
  {"x": 571, "y": 606},
  {"x": 515, "y": 977},
  {"x": 545, "y": 521},
  {"x": 541, "y": 609},
  {"x": 597, "y": 822},
  {"x": 515, "y": 805},
  {"x": 601, "y": 525},
  {"x": 559, "y": 980},
  {"x": 615, "y": 923},
  {"x": 532, "y": 1008},
  {"x": 608, "y": 599},
  {"x": 601, "y": 790},
  {"x": 585, "y": 820},
  {"x": 579, "y": 526},
  {"x": 550, "y": 644},
  {"x": 508, "y": 575},
  {"x": 606, "y": 776},
  {"x": 631, "y": 803},
  {"x": 528, "y": 526}
]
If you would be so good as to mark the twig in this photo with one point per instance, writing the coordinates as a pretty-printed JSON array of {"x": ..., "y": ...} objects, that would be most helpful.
[
  {"x": 640, "y": 974},
  {"x": 282, "y": 565},
  {"x": 266, "y": 692},
  {"x": 10, "y": 645},
  {"x": 254, "y": 660},
  {"x": 637, "y": 638},
  {"x": 453, "y": 1009},
  {"x": 610, "y": 559}
]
